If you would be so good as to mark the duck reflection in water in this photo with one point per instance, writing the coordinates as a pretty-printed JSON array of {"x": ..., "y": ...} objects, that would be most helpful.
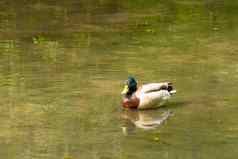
[{"x": 147, "y": 120}]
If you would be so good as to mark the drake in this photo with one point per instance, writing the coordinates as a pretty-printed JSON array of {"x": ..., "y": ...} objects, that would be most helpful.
[{"x": 147, "y": 96}]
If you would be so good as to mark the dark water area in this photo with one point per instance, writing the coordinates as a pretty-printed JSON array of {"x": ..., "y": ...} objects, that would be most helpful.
[{"x": 63, "y": 63}]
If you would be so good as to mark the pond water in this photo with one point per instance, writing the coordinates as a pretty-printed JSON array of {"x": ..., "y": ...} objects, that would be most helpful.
[{"x": 63, "y": 63}]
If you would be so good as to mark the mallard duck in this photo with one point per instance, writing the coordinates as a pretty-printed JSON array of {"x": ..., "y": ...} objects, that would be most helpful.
[{"x": 147, "y": 96}]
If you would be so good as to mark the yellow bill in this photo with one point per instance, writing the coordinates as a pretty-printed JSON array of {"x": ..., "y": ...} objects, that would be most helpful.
[{"x": 125, "y": 90}]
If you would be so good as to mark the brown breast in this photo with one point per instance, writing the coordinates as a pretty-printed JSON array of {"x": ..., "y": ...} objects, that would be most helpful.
[{"x": 132, "y": 102}]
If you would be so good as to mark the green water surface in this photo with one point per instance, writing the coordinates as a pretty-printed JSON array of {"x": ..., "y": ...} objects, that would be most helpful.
[{"x": 63, "y": 63}]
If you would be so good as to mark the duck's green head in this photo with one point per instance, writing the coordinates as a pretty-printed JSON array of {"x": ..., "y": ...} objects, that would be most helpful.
[{"x": 130, "y": 86}]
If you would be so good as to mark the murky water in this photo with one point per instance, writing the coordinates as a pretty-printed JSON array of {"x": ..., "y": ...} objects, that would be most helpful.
[{"x": 62, "y": 66}]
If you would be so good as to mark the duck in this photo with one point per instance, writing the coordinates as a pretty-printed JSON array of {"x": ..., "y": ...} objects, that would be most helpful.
[{"x": 146, "y": 96}]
